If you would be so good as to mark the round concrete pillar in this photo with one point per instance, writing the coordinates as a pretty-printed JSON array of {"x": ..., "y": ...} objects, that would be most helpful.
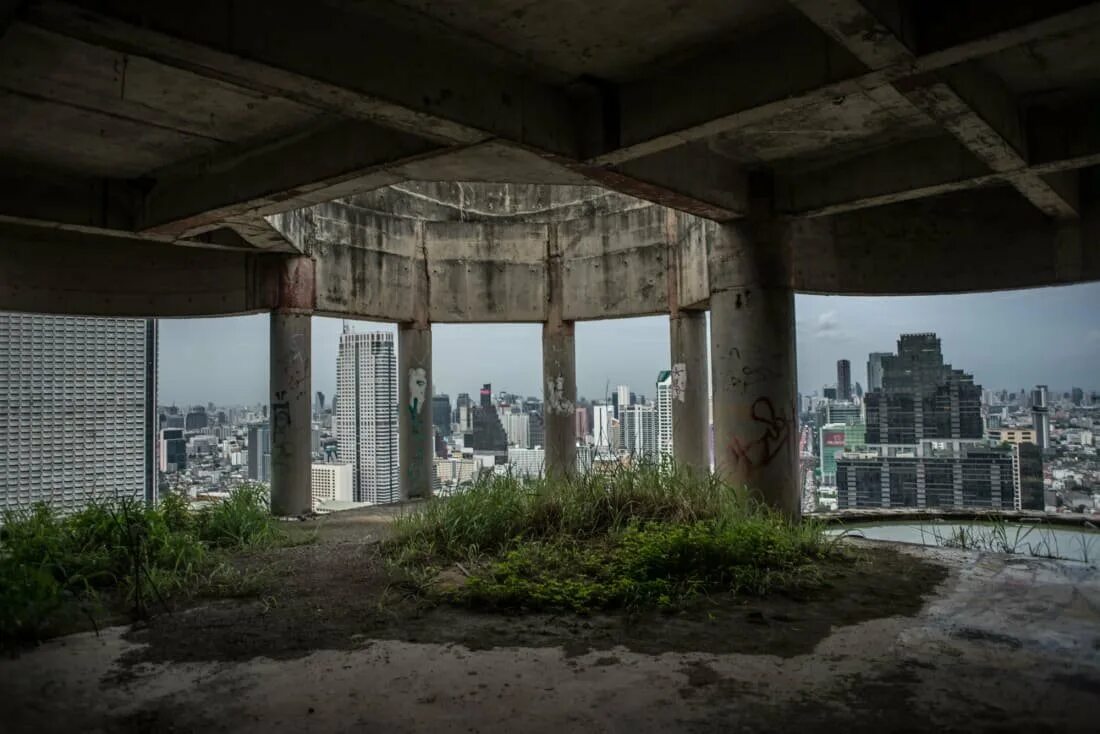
[
  {"x": 290, "y": 413},
  {"x": 416, "y": 437},
  {"x": 689, "y": 393},
  {"x": 559, "y": 376},
  {"x": 752, "y": 327}
]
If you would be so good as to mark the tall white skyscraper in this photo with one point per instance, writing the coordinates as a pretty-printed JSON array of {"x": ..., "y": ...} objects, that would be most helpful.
[
  {"x": 601, "y": 429},
  {"x": 639, "y": 429},
  {"x": 78, "y": 416},
  {"x": 517, "y": 426},
  {"x": 664, "y": 413},
  {"x": 366, "y": 414}
]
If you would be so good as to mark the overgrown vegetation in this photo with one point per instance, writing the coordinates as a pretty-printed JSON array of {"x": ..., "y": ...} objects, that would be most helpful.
[
  {"x": 641, "y": 537},
  {"x": 120, "y": 555}
]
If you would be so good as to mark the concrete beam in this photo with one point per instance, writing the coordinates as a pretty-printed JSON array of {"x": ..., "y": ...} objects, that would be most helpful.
[
  {"x": 968, "y": 102},
  {"x": 952, "y": 243},
  {"x": 66, "y": 272},
  {"x": 315, "y": 165},
  {"x": 457, "y": 92},
  {"x": 793, "y": 66},
  {"x": 975, "y": 108}
]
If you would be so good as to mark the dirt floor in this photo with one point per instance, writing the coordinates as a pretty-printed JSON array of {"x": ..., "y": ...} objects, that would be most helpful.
[
  {"x": 901, "y": 639},
  {"x": 334, "y": 595}
]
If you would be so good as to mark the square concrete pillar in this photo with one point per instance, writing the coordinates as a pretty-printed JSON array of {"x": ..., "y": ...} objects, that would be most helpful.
[
  {"x": 415, "y": 430},
  {"x": 690, "y": 393}
]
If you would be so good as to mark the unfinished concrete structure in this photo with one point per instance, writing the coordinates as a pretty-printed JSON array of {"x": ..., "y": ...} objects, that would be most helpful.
[{"x": 426, "y": 162}]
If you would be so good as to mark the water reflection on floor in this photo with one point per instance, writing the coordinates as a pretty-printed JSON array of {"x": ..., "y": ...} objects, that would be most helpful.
[{"x": 1028, "y": 539}]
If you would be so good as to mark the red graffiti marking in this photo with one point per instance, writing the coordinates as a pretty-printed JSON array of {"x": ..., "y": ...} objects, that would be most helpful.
[{"x": 775, "y": 435}]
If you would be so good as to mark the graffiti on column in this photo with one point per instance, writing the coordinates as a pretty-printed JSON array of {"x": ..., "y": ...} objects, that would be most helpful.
[
  {"x": 280, "y": 421},
  {"x": 679, "y": 382},
  {"x": 771, "y": 435},
  {"x": 418, "y": 389},
  {"x": 751, "y": 376},
  {"x": 556, "y": 402}
]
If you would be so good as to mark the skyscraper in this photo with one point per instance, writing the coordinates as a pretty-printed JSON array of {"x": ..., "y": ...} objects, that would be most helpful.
[
  {"x": 196, "y": 419},
  {"x": 639, "y": 431},
  {"x": 78, "y": 417},
  {"x": 921, "y": 397},
  {"x": 441, "y": 413},
  {"x": 1040, "y": 416},
  {"x": 664, "y": 413},
  {"x": 366, "y": 386},
  {"x": 173, "y": 450},
  {"x": 843, "y": 379},
  {"x": 925, "y": 446},
  {"x": 622, "y": 399},
  {"x": 601, "y": 429},
  {"x": 259, "y": 452},
  {"x": 874, "y": 370},
  {"x": 581, "y": 423}
]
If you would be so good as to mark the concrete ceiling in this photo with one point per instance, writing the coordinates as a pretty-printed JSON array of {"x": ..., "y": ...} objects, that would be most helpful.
[
  {"x": 192, "y": 122},
  {"x": 616, "y": 40}
]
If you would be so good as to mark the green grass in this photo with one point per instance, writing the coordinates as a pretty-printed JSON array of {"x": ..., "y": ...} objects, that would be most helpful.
[
  {"x": 55, "y": 570},
  {"x": 641, "y": 537}
]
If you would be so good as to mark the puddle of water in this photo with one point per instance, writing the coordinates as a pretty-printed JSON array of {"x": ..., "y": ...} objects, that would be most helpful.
[{"x": 1019, "y": 538}]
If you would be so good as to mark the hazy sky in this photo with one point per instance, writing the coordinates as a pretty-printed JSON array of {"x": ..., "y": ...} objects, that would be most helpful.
[{"x": 1009, "y": 339}]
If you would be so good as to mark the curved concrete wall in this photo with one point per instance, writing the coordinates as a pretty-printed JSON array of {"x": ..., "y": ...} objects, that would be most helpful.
[{"x": 624, "y": 262}]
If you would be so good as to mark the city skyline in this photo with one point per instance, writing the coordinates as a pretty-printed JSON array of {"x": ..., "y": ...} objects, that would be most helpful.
[{"x": 1058, "y": 322}]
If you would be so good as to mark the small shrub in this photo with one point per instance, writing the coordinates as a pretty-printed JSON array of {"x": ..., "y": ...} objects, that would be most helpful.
[
  {"x": 51, "y": 566},
  {"x": 242, "y": 520}
]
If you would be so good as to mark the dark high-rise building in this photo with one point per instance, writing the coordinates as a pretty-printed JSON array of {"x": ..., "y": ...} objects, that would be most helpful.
[
  {"x": 921, "y": 397},
  {"x": 259, "y": 452},
  {"x": 441, "y": 414},
  {"x": 536, "y": 430},
  {"x": 196, "y": 419},
  {"x": 843, "y": 379},
  {"x": 1077, "y": 395},
  {"x": 486, "y": 395},
  {"x": 487, "y": 434},
  {"x": 925, "y": 442},
  {"x": 463, "y": 414},
  {"x": 1029, "y": 463},
  {"x": 974, "y": 475},
  {"x": 1040, "y": 416},
  {"x": 874, "y": 370},
  {"x": 320, "y": 402},
  {"x": 829, "y": 393},
  {"x": 173, "y": 450}
]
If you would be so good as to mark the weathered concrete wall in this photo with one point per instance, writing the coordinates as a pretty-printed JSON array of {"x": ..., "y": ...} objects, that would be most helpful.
[
  {"x": 365, "y": 262},
  {"x": 54, "y": 271},
  {"x": 486, "y": 272},
  {"x": 616, "y": 265}
]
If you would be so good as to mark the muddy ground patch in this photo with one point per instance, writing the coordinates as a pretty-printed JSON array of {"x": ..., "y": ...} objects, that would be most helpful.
[{"x": 338, "y": 595}]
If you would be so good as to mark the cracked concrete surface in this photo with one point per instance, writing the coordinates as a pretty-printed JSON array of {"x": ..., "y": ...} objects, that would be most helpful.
[{"x": 1005, "y": 644}]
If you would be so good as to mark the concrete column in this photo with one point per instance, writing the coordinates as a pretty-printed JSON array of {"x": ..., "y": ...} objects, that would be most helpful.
[
  {"x": 690, "y": 378},
  {"x": 291, "y": 391},
  {"x": 752, "y": 329},
  {"x": 559, "y": 374},
  {"x": 416, "y": 439}
]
